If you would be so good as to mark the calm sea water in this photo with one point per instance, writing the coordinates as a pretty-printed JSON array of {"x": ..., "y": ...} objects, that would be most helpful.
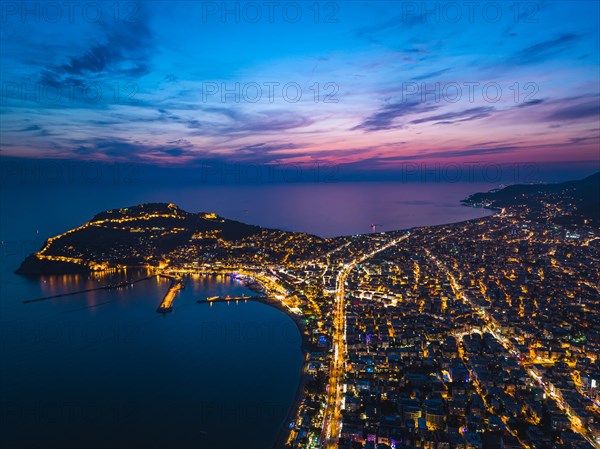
[
  {"x": 103, "y": 369},
  {"x": 35, "y": 211}
]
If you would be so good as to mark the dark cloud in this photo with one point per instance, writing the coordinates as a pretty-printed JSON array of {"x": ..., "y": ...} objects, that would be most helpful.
[
  {"x": 430, "y": 75},
  {"x": 131, "y": 151},
  {"x": 31, "y": 128},
  {"x": 584, "y": 139},
  {"x": 37, "y": 131},
  {"x": 183, "y": 142},
  {"x": 459, "y": 116},
  {"x": 265, "y": 148},
  {"x": 415, "y": 50},
  {"x": 453, "y": 153},
  {"x": 477, "y": 151},
  {"x": 193, "y": 124},
  {"x": 245, "y": 123},
  {"x": 220, "y": 121},
  {"x": 481, "y": 144},
  {"x": 585, "y": 110},
  {"x": 233, "y": 114},
  {"x": 124, "y": 50},
  {"x": 543, "y": 50},
  {"x": 386, "y": 116},
  {"x": 210, "y": 124},
  {"x": 166, "y": 115},
  {"x": 264, "y": 152},
  {"x": 531, "y": 103}
]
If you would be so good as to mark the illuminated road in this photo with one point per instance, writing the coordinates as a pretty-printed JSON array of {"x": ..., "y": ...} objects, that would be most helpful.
[
  {"x": 98, "y": 223},
  {"x": 333, "y": 404}
]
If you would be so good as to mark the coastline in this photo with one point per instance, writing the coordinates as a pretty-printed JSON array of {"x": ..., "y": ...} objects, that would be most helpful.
[
  {"x": 466, "y": 203},
  {"x": 283, "y": 433}
]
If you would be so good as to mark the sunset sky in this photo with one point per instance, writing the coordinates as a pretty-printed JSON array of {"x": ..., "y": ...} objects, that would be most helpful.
[{"x": 143, "y": 83}]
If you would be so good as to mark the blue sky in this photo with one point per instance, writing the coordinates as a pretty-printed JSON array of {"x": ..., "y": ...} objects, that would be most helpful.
[{"x": 397, "y": 82}]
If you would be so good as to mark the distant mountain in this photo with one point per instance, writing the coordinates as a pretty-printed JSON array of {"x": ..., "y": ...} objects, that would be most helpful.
[
  {"x": 579, "y": 200},
  {"x": 157, "y": 234}
]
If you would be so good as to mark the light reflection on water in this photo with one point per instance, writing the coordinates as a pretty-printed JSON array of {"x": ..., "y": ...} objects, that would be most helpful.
[{"x": 103, "y": 369}]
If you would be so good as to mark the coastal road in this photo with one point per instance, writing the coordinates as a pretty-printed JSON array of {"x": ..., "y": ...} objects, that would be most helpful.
[{"x": 333, "y": 405}]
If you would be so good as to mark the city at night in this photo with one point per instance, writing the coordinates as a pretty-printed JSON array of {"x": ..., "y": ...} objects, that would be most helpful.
[{"x": 300, "y": 225}]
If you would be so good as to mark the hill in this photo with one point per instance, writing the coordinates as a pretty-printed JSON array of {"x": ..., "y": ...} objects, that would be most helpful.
[
  {"x": 579, "y": 201},
  {"x": 157, "y": 234}
]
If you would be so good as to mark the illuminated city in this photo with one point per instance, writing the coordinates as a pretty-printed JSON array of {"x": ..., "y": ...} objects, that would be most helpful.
[
  {"x": 412, "y": 336},
  {"x": 300, "y": 225}
]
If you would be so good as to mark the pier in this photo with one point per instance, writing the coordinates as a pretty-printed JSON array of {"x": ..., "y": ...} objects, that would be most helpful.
[
  {"x": 177, "y": 283},
  {"x": 232, "y": 298}
]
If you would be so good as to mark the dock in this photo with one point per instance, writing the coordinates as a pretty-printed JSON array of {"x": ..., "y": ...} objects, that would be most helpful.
[
  {"x": 231, "y": 298},
  {"x": 166, "y": 305}
]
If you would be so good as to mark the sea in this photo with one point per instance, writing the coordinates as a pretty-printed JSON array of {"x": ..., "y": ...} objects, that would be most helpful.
[{"x": 103, "y": 369}]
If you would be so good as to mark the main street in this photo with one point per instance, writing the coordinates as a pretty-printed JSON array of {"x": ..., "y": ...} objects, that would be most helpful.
[{"x": 333, "y": 405}]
